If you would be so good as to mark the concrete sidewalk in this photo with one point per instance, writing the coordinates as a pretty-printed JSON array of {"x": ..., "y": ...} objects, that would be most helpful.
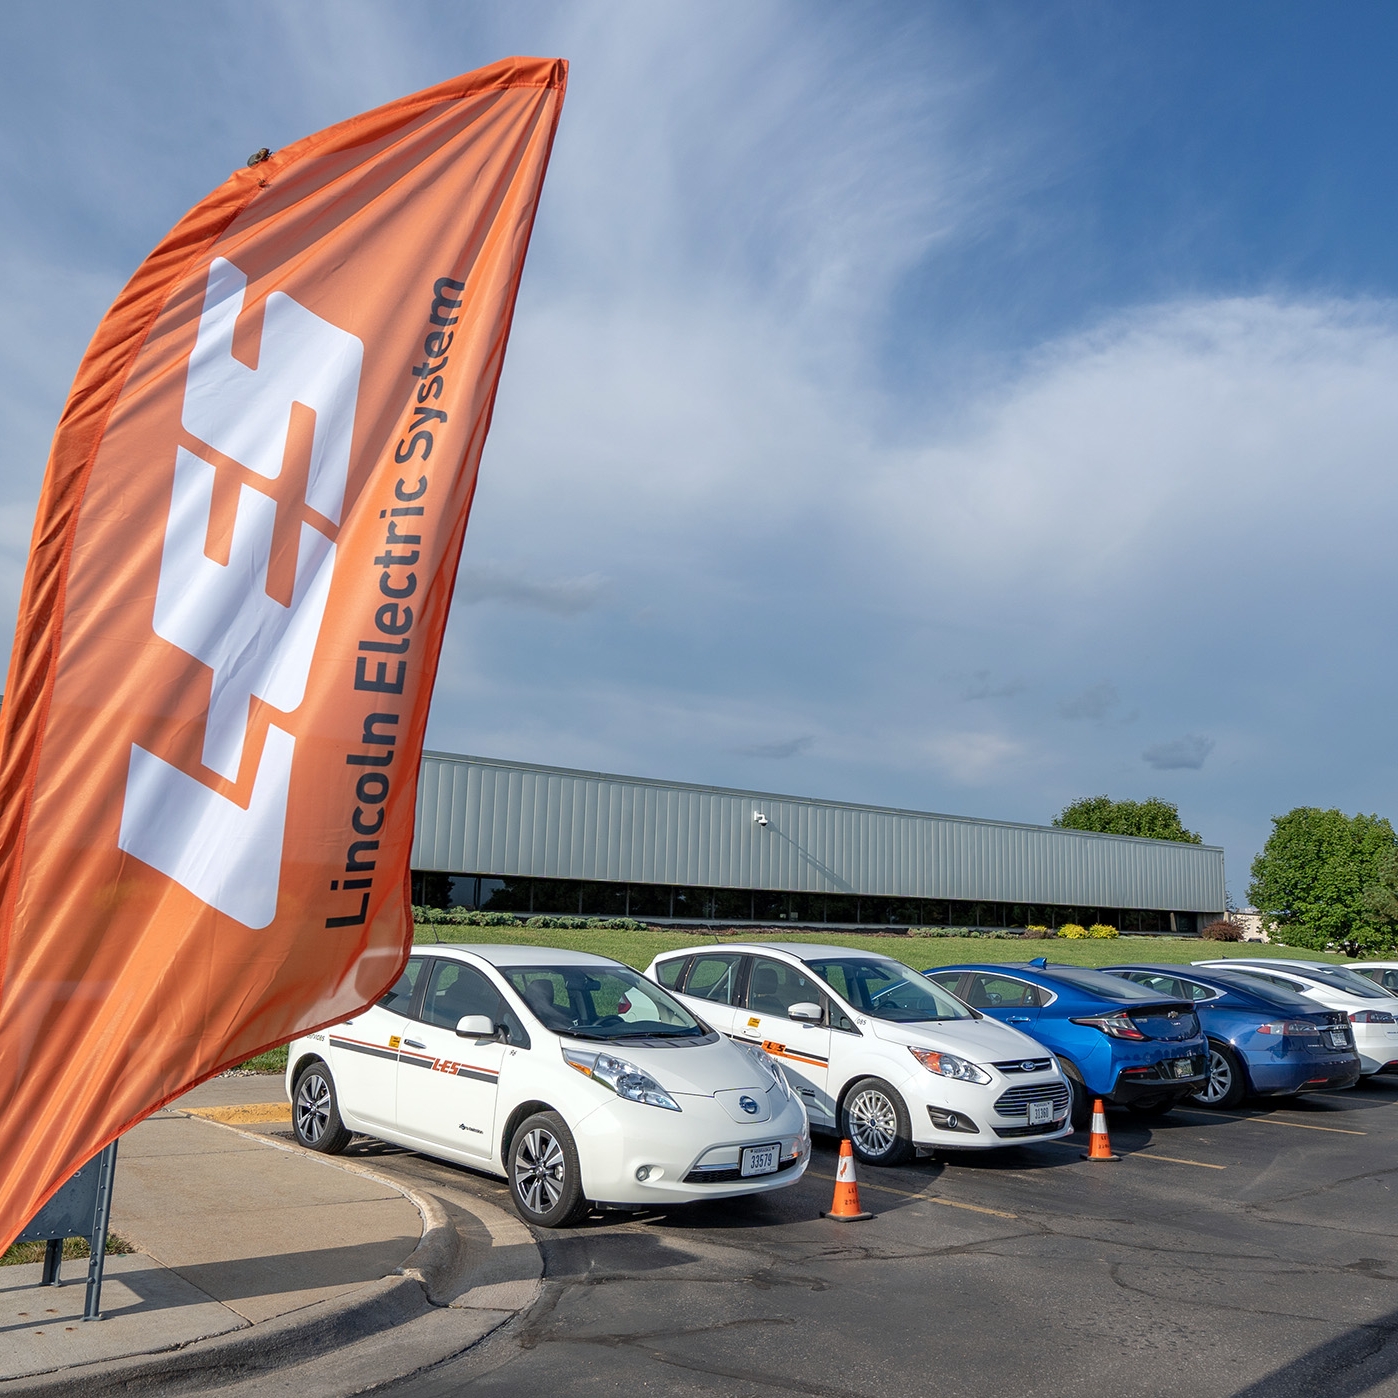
[{"x": 282, "y": 1253}]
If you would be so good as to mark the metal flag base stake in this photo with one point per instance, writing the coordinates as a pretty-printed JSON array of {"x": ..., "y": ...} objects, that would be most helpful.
[{"x": 81, "y": 1208}]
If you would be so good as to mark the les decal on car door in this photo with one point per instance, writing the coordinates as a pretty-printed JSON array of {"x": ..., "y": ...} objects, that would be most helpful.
[
  {"x": 447, "y": 1085},
  {"x": 803, "y": 1049}
]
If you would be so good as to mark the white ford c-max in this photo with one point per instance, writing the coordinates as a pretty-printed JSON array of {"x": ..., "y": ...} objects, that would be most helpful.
[
  {"x": 569, "y": 1074},
  {"x": 878, "y": 1052}
]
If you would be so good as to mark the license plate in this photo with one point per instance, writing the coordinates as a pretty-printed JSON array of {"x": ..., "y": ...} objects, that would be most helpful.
[
  {"x": 1338, "y": 1038},
  {"x": 759, "y": 1160},
  {"x": 1184, "y": 1067},
  {"x": 1040, "y": 1113}
]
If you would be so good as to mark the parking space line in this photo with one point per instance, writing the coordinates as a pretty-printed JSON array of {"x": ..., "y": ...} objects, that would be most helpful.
[
  {"x": 1273, "y": 1121},
  {"x": 1173, "y": 1159},
  {"x": 926, "y": 1198},
  {"x": 1306, "y": 1126}
]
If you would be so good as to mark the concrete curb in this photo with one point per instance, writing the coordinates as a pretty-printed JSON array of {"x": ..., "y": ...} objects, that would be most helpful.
[{"x": 434, "y": 1276}]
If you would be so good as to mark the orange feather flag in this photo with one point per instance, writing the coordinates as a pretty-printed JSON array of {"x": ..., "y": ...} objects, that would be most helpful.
[{"x": 229, "y": 630}]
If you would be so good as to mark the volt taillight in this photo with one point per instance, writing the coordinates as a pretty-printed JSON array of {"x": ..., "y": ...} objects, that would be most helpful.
[{"x": 1116, "y": 1026}]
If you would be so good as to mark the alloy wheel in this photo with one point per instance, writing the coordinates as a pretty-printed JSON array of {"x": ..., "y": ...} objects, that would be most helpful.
[
  {"x": 312, "y": 1108},
  {"x": 873, "y": 1122},
  {"x": 539, "y": 1167},
  {"x": 1220, "y": 1082}
]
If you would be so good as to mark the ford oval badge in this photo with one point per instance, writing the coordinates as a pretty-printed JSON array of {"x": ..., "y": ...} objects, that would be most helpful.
[
  {"x": 749, "y": 1106},
  {"x": 1027, "y": 1066}
]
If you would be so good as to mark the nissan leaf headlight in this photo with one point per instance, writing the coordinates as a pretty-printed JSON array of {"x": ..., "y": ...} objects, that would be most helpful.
[
  {"x": 625, "y": 1079},
  {"x": 949, "y": 1065},
  {"x": 770, "y": 1066}
]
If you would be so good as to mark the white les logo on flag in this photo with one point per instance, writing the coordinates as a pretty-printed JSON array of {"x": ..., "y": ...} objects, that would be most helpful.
[{"x": 228, "y": 856}]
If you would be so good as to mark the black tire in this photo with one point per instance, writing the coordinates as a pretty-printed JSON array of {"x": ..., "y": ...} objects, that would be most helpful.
[
  {"x": 545, "y": 1179},
  {"x": 315, "y": 1111},
  {"x": 875, "y": 1121},
  {"x": 1227, "y": 1084},
  {"x": 1079, "y": 1103}
]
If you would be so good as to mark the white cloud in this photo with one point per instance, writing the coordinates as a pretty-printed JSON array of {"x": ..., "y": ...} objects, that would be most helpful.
[{"x": 975, "y": 759}]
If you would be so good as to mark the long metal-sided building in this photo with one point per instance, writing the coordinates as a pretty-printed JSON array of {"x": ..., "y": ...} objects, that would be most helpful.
[{"x": 516, "y": 837}]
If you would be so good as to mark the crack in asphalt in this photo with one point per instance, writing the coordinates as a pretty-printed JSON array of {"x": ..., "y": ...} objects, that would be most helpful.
[{"x": 646, "y": 1340}]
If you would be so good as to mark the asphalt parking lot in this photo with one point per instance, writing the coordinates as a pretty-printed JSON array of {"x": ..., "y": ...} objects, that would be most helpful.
[{"x": 1244, "y": 1253}]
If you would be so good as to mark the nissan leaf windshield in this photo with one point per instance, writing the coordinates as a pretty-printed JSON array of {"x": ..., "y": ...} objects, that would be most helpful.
[
  {"x": 601, "y": 1002},
  {"x": 886, "y": 989}
]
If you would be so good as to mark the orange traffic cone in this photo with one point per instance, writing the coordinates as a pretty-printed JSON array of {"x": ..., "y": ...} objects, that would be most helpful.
[
  {"x": 1101, "y": 1146},
  {"x": 845, "y": 1207}
]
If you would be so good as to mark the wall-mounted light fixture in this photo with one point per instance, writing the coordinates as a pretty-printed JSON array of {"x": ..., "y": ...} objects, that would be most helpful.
[{"x": 759, "y": 818}]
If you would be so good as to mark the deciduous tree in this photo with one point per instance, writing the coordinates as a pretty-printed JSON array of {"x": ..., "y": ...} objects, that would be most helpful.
[
  {"x": 1152, "y": 819},
  {"x": 1313, "y": 879}
]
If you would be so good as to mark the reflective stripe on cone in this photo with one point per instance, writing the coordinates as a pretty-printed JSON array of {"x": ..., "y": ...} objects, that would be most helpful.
[
  {"x": 845, "y": 1206},
  {"x": 1100, "y": 1147}
]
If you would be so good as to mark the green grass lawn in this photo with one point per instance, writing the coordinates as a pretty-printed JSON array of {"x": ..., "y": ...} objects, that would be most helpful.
[{"x": 638, "y": 948}]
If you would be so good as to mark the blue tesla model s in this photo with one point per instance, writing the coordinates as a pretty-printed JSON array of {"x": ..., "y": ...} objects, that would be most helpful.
[{"x": 1263, "y": 1040}]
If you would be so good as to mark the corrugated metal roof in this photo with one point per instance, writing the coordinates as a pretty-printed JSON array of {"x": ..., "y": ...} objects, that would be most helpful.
[{"x": 479, "y": 815}]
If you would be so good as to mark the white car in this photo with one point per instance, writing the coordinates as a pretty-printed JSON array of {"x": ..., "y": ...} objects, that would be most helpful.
[
  {"x": 878, "y": 1052},
  {"x": 1372, "y": 1010},
  {"x": 567, "y": 1073}
]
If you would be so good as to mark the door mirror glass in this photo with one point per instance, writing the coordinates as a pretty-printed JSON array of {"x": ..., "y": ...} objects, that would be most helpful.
[
  {"x": 476, "y": 1027},
  {"x": 805, "y": 1011}
]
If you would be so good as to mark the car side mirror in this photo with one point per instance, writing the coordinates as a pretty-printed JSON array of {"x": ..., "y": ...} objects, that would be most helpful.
[
  {"x": 806, "y": 1011},
  {"x": 475, "y": 1027}
]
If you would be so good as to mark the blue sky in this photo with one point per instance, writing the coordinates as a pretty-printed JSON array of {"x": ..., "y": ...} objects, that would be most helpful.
[{"x": 964, "y": 407}]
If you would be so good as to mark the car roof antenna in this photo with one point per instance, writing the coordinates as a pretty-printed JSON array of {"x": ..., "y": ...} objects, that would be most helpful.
[{"x": 1041, "y": 961}]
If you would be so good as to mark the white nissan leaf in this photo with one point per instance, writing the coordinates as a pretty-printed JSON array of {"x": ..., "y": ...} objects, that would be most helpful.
[
  {"x": 877, "y": 1052},
  {"x": 569, "y": 1074}
]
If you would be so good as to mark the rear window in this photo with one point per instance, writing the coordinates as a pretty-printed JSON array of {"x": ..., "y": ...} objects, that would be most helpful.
[
  {"x": 714, "y": 978},
  {"x": 400, "y": 994},
  {"x": 1167, "y": 987},
  {"x": 1279, "y": 996},
  {"x": 668, "y": 972},
  {"x": 1099, "y": 983},
  {"x": 1268, "y": 979},
  {"x": 1341, "y": 978}
]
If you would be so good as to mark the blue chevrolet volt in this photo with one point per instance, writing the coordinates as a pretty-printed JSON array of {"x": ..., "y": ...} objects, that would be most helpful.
[
  {"x": 1128, "y": 1045},
  {"x": 1263, "y": 1040}
]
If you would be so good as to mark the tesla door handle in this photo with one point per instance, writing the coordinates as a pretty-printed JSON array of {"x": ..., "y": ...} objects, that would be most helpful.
[
  {"x": 1016, "y": 1019},
  {"x": 413, "y": 1043}
]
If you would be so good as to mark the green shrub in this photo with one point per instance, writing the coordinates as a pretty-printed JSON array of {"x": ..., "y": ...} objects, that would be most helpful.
[
  {"x": 1074, "y": 930},
  {"x": 1100, "y": 929},
  {"x": 972, "y": 932},
  {"x": 1037, "y": 932},
  {"x": 462, "y": 917}
]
